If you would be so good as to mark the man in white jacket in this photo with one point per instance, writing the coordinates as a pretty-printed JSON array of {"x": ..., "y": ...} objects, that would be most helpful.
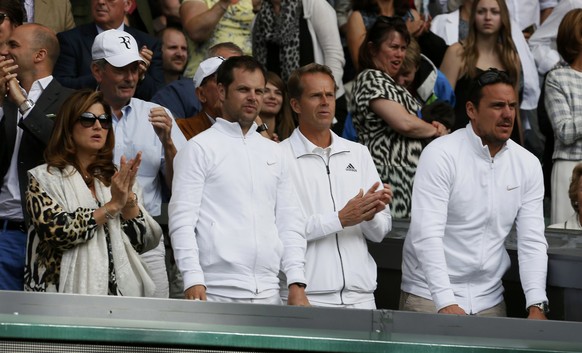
[
  {"x": 341, "y": 197},
  {"x": 235, "y": 220},
  {"x": 470, "y": 188}
]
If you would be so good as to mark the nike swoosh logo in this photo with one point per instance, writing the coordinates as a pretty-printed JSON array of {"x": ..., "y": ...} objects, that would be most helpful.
[
  {"x": 509, "y": 188},
  {"x": 271, "y": 163}
]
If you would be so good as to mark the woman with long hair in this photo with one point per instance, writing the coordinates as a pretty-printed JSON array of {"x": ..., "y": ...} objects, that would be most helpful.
[
  {"x": 488, "y": 45},
  {"x": 87, "y": 221},
  {"x": 276, "y": 111}
]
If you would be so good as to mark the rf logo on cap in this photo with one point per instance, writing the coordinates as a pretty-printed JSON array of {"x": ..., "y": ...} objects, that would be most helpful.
[{"x": 125, "y": 41}]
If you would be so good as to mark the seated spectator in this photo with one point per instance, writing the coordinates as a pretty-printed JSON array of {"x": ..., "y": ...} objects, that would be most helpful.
[
  {"x": 276, "y": 111},
  {"x": 365, "y": 14},
  {"x": 575, "y": 195},
  {"x": 427, "y": 84},
  {"x": 180, "y": 96},
  {"x": 385, "y": 112},
  {"x": 208, "y": 22},
  {"x": 88, "y": 224},
  {"x": 56, "y": 14},
  {"x": 288, "y": 34},
  {"x": 207, "y": 93},
  {"x": 488, "y": 45},
  {"x": 543, "y": 41},
  {"x": 174, "y": 54},
  {"x": 73, "y": 68},
  {"x": 454, "y": 27},
  {"x": 563, "y": 102}
]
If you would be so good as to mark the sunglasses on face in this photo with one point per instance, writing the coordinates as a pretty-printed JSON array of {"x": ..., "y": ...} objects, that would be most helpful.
[
  {"x": 492, "y": 76},
  {"x": 3, "y": 16},
  {"x": 88, "y": 119}
]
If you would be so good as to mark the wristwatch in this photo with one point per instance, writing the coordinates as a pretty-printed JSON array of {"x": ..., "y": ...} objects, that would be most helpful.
[
  {"x": 262, "y": 127},
  {"x": 25, "y": 106},
  {"x": 543, "y": 306}
]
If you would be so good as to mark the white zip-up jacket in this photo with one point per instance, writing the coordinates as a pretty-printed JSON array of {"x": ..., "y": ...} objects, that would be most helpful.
[
  {"x": 235, "y": 219},
  {"x": 338, "y": 267},
  {"x": 464, "y": 204}
]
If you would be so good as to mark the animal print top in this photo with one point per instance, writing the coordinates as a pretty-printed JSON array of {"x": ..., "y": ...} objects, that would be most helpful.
[
  {"x": 56, "y": 231},
  {"x": 396, "y": 156}
]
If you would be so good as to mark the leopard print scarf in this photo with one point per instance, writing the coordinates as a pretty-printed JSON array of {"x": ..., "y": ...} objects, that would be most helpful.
[{"x": 282, "y": 30}]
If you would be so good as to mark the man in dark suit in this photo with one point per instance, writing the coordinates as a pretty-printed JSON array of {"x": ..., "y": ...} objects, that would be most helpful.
[
  {"x": 25, "y": 128},
  {"x": 73, "y": 68}
]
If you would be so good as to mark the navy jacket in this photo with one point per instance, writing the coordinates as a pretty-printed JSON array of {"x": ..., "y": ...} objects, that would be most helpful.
[
  {"x": 37, "y": 129},
  {"x": 73, "y": 67}
]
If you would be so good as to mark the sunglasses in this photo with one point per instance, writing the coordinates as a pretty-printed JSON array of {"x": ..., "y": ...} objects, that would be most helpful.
[
  {"x": 2, "y": 17},
  {"x": 492, "y": 76},
  {"x": 88, "y": 119}
]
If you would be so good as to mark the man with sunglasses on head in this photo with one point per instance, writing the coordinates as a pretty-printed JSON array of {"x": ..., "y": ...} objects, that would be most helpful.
[
  {"x": 470, "y": 188},
  {"x": 29, "y": 98},
  {"x": 139, "y": 126}
]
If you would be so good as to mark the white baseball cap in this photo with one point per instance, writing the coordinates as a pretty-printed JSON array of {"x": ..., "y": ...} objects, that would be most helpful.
[
  {"x": 207, "y": 68},
  {"x": 119, "y": 48}
]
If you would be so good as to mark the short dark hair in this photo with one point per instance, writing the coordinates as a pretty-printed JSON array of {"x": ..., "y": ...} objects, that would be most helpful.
[
  {"x": 573, "y": 189},
  {"x": 294, "y": 84},
  {"x": 224, "y": 45},
  {"x": 376, "y": 35},
  {"x": 14, "y": 9},
  {"x": 224, "y": 74},
  {"x": 486, "y": 78}
]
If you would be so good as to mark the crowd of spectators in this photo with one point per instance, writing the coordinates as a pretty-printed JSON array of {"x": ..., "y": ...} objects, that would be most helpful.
[{"x": 166, "y": 71}]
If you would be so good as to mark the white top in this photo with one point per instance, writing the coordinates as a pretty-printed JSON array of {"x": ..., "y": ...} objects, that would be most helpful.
[
  {"x": 464, "y": 204},
  {"x": 10, "y": 203},
  {"x": 327, "y": 45},
  {"x": 446, "y": 26},
  {"x": 235, "y": 220},
  {"x": 543, "y": 42},
  {"x": 134, "y": 133},
  {"x": 338, "y": 267},
  {"x": 524, "y": 12}
]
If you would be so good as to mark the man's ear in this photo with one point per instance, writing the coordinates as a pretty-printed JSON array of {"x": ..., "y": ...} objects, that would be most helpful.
[
  {"x": 471, "y": 110},
  {"x": 295, "y": 105},
  {"x": 221, "y": 92},
  {"x": 127, "y": 5},
  {"x": 40, "y": 55},
  {"x": 97, "y": 72},
  {"x": 200, "y": 95}
]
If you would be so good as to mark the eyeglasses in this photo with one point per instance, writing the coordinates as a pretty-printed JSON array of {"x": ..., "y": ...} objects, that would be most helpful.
[
  {"x": 88, "y": 119},
  {"x": 3, "y": 16},
  {"x": 492, "y": 76}
]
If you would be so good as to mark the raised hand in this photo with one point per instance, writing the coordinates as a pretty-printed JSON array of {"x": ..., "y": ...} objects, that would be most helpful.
[
  {"x": 162, "y": 124},
  {"x": 147, "y": 55},
  {"x": 361, "y": 207}
]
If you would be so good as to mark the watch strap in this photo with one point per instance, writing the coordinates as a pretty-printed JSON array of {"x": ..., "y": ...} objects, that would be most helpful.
[
  {"x": 25, "y": 106},
  {"x": 262, "y": 127}
]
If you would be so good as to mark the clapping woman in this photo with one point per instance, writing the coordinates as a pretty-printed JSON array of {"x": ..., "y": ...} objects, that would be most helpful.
[{"x": 88, "y": 224}]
